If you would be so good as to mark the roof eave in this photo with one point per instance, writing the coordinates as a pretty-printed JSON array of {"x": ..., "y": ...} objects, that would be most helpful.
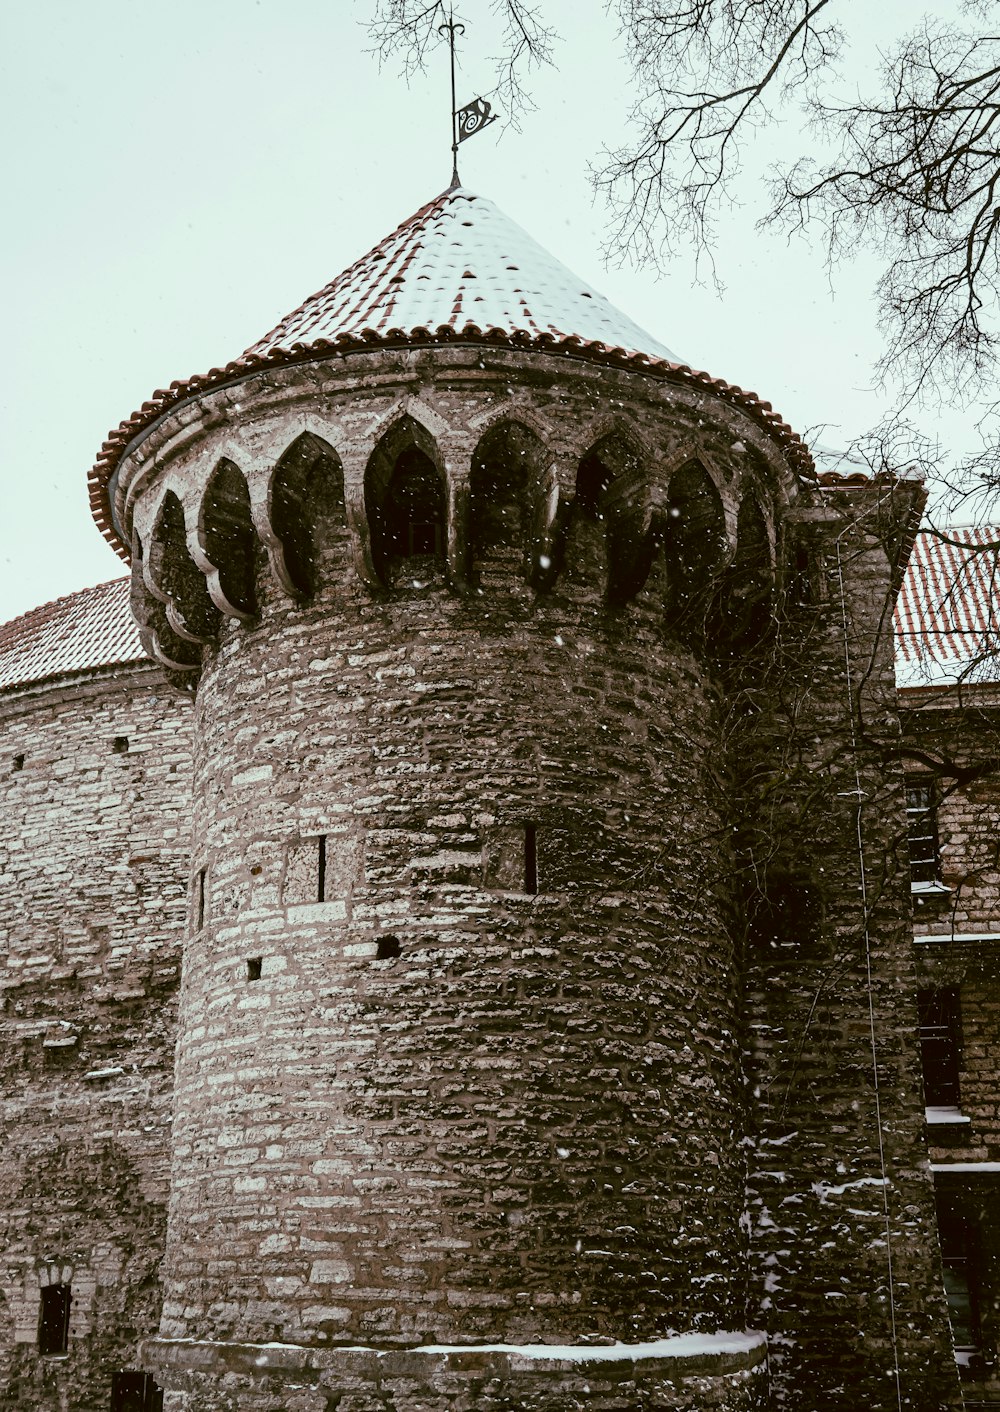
[{"x": 165, "y": 400}]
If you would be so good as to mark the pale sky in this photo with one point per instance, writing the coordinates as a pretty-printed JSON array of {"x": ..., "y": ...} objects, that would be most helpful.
[{"x": 177, "y": 178}]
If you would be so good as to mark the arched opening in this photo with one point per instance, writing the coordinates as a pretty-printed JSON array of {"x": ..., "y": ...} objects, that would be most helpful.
[
  {"x": 160, "y": 642},
  {"x": 746, "y": 607},
  {"x": 507, "y": 500},
  {"x": 229, "y": 540},
  {"x": 405, "y": 500},
  {"x": 694, "y": 538},
  {"x": 306, "y": 511},
  {"x": 611, "y": 459},
  {"x": 173, "y": 573}
]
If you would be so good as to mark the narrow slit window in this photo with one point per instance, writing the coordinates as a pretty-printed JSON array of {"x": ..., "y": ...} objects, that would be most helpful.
[
  {"x": 530, "y": 858},
  {"x": 254, "y": 966},
  {"x": 202, "y": 894},
  {"x": 53, "y": 1320},
  {"x": 321, "y": 869}
]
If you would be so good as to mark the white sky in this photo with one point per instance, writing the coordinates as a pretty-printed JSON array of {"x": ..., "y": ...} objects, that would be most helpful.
[{"x": 177, "y": 178}]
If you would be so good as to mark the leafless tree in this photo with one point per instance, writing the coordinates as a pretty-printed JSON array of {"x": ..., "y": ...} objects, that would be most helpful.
[
  {"x": 911, "y": 168},
  {"x": 406, "y": 30}
]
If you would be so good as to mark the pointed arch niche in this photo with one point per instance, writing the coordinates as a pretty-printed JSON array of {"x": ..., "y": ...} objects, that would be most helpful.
[
  {"x": 695, "y": 546},
  {"x": 508, "y": 501},
  {"x": 613, "y": 458},
  {"x": 746, "y": 602},
  {"x": 172, "y": 574},
  {"x": 405, "y": 501},
  {"x": 178, "y": 655},
  {"x": 306, "y": 514},
  {"x": 229, "y": 541}
]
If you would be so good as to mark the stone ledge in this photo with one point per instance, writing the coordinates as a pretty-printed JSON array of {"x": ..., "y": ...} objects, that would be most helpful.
[{"x": 685, "y": 1355}]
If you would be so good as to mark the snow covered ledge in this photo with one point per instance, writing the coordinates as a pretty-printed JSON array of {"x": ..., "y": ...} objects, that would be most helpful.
[{"x": 731, "y": 1366}]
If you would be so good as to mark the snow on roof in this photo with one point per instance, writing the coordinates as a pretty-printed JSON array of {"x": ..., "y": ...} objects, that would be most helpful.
[
  {"x": 93, "y": 628},
  {"x": 947, "y": 630},
  {"x": 460, "y": 260},
  {"x": 458, "y": 270}
]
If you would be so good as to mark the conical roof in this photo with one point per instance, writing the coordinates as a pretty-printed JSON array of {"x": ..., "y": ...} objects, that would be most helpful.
[
  {"x": 460, "y": 261},
  {"x": 458, "y": 270}
]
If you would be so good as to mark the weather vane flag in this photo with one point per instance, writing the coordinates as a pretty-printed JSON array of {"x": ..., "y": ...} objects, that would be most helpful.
[{"x": 467, "y": 121}]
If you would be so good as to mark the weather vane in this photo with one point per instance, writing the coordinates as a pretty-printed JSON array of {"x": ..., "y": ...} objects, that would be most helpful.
[{"x": 467, "y": 121}]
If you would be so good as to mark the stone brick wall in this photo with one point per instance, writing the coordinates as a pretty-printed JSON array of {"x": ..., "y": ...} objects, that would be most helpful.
[
  {"x": 547, "y": 975},
  {"x": 420, "y": 1098},
  {"x": 841, "y": 1201},
  {"x": 950, "y": 739},
  {"x": 502, "y": 1133},
  {"x": 95, "y": 780}
]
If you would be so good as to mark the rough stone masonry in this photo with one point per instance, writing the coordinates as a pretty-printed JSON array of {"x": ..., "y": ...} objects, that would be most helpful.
[{"x": 514, "y": 815}]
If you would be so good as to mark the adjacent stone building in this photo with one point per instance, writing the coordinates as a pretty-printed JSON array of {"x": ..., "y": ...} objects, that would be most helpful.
[{"x": 459, "y": 952}]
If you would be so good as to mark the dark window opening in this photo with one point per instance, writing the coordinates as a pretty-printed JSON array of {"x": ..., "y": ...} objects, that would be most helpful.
[
  {"x": 530, "y": 859},
  {"x": 202, "y": 896},
  {"x": 321, "y": 868},
  {"x": 414, "y": 507},
  {"x": 939, "y": 1018},
  {"x": 960, "y": 1259},
  {"x": 53, "y": 1320},
  {"x": 135, "y": 1392},
  {"x": 592, "y": 480},
  {"x": 387, "y": 948},
  {"x": 18, "y": 763},
  {"x": 922, "y": 832},
  {"x": 254, "y": 964},
  {"x": 785, "y": 917},
  {"x": 800, "y": 579},
  {"x": 422, "y": 537},
  {"x": 503, "y": 492},
  {"x": 120, "y": 744}
]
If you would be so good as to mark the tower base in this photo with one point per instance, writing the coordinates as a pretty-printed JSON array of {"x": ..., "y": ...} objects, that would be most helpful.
[{"x": 690, "y": 1373}]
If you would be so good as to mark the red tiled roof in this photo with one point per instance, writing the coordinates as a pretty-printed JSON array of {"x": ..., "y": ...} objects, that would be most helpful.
[
  {"x": 457, "y": 271},
  {"x": 460, "y": 260},
  {"x": 947, "y": 625},
  {"x": 93, "y": 628}
]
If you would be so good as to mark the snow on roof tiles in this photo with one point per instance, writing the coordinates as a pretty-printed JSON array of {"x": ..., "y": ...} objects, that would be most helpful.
[
  {"x": 457, "y": 270},
  {"x": 93, "y": 628},
  {"x": 460, "y": 260},
  {"x": 947, "y": 628}
]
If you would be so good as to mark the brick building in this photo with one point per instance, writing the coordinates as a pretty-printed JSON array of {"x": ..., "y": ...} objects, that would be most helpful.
[{"x": 457, "y": 904}]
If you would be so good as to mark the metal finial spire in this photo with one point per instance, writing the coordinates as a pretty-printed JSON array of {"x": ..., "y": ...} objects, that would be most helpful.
[
  {"x": 467, "y": 121},
  {"x": 453, "y": 29}
]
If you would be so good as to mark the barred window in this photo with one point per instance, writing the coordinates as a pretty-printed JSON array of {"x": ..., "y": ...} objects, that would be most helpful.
[{"x": 922, "y": 831}]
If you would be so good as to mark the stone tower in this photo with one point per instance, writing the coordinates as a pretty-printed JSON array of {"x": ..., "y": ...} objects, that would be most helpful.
[{"x": 483, "y": 1032}]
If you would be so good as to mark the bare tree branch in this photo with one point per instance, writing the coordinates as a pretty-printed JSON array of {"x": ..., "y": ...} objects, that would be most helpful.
[
  {"x": 913, "y": 169},
  {"x": 917, "y": 170},
  {"x": 407, "y": 31},
  {"x": 712, "y": 73}
]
